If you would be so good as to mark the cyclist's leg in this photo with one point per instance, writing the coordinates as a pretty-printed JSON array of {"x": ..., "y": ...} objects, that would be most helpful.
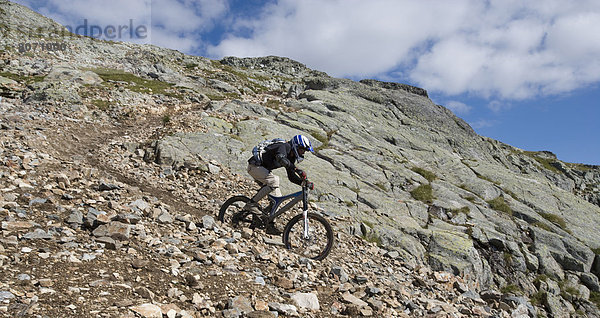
[{"x": 265, "y": 177}]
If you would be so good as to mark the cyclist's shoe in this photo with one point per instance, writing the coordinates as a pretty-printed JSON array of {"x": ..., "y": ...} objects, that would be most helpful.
[
  {"x": 252, "y": 207},
  {"x": 272, "y": 229}
]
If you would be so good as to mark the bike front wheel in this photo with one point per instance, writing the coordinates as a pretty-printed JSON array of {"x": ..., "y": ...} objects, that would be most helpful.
[
  {"x": 319, "y": 242},
  {"x": 231, "y": 211}
]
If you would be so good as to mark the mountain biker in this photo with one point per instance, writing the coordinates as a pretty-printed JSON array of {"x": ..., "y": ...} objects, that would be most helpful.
[{"x": 277, "y": 155}]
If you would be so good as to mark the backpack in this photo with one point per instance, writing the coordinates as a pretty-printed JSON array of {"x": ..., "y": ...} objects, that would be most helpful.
[{"x": 260, "y": 149}]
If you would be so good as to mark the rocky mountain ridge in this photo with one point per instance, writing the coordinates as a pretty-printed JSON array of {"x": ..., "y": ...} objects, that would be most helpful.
[{"x": 111, "y": 169}]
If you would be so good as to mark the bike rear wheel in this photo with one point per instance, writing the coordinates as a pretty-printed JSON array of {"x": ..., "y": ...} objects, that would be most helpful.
[
  {"x": 231, "y": 211},
  {"x": 320, "y": 236}
]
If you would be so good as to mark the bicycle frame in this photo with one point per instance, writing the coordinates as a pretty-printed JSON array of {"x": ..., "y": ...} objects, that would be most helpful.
[{"x": 295, "y": 198}]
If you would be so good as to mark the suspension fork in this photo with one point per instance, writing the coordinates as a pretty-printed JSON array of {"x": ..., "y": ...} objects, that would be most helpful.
[{"x": 305, "y": 211}]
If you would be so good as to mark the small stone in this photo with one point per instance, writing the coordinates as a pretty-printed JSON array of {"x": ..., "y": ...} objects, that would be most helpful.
[
  {"x": 340, "y": 273},
  {"x": 37, "y": 201},
  {"x": 283, "y": 282},
  {"x": 240, "y": 303},
  {"x": 147, "y": 311},
  {"x": 208, "y": 222},
  {"x": 17, "y": 225},
  {"x": 259, "y": 281},
  {"x": 306, "y": 301},
  {"x": 247, "y": 233},
  {"x": 165, "y": 218},
  {"x": 109, "y": 242},
  {"x": 144, "y": 292},
  {"x": 38, "y": 234},
  {"x": 349, "y": 298},
  {"x": 261, "y": 305},
  {"x": 139, "y": 263},
  {"x": 45, "y": 282},
  {"x": 115, "y": 230}
]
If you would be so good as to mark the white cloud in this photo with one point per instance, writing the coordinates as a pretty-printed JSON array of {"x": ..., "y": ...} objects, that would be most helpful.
[
  {"x": 496, "y": 49},
  {"x": 175, "y": 24},
  {"x": 458, "y": 107},
  {"x": 483, "y": 123},
  {"x": 507, "y": 49}
]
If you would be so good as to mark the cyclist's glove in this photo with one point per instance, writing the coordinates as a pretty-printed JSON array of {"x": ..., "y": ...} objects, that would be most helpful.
[
  {"x": 301, "y": 173},
  {"x": 310, "y": 185}
]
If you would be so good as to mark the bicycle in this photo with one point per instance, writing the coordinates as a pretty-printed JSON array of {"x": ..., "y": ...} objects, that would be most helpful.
[{"x": 307, "y": 234}]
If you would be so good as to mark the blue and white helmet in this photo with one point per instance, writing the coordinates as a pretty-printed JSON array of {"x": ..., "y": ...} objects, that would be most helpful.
[{"x": 301, "y": 142}]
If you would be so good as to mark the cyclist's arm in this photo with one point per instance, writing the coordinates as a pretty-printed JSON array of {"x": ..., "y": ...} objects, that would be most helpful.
[{"x": 293, "y": 176}]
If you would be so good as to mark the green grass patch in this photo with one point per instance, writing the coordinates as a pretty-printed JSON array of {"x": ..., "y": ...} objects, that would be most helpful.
[
  {"x": 368, "y": 223},
  {"x": 101, "y": 104},
  {"x": 323, "y": 139},
  {"x": 595, "y": 298},
  {"x": 557, "y": 220},
  {"x": 423, "y": 193},
  {"x": 134, "y": 82},
  {"x": 537, "y": 298},
  {"x": 543, "y": 226},
  {"x": 482, "y": 177},
  {"x": 23, "y": 78},
  {"x": 512, "y": 194},
  {"x": 372, "y": 238},
  {"x": 471, "y": 199},
  {"x": 430, "y": 176},
  {"x": 596, "y": 250},
  {"x": 499, "y": 204},
  {"x": 544, "y": 162},
  {"x": 381, "y": 186},
  {"x": 464, "y": 210},
  {"x": 190, "y": 66},
  {"x": 511, "y": 289},
  {"x": 273, "y": 103},
  {"x": 166, "y": 119}
]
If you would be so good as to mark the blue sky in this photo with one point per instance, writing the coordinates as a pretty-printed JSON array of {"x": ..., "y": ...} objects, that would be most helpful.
[{"x": 526, "y": 73}]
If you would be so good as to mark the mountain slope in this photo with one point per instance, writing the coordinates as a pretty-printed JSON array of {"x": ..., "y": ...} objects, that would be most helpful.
[{"x": 102, "y": 139}]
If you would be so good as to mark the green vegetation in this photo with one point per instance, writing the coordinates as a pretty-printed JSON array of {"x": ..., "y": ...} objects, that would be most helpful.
[
  {"x": 372, "y": 237},
  {"x": 190, "y": 66},
  {"x": 499, "y": 204},
  {"x": 423, "y": 193},
  {"x": 463, "y": 210},
  {"x": 543, "y": 226},
  {"x": 273, "y": 103},
  {"x": 166, "y": 119},
  {"x": 430, "y": 176},
  {"x": 368, "y": 223},
  {"x": 512, "y": 194},
  {"x": 511, "y": 289},
  {"x": 101, "y": 104},
  {"x": 540, "y": 278},
  {"x": 471, "y": 199},
  {"x": 134, "y": 83},
  {"x": 223, "y": 96},
  {"x": 544, "y": 162},
  {"x": 508, "y": 258},
  {"x": 596, "y": 250},
  {"x": 349, "y": 203},
  {"x": 555, "y": 219},
  {"x": 537, "y": 298},
  {"x": 250, "y": 81},
  {"x": 482, "y": 177},
  {"x": 323, "y": 139},
  {"x": 595, "y": 298},
  {"x": 22, "y": 78},
  {"x": 381, "y": 186},
  {"x": 568, "y": 292}
]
